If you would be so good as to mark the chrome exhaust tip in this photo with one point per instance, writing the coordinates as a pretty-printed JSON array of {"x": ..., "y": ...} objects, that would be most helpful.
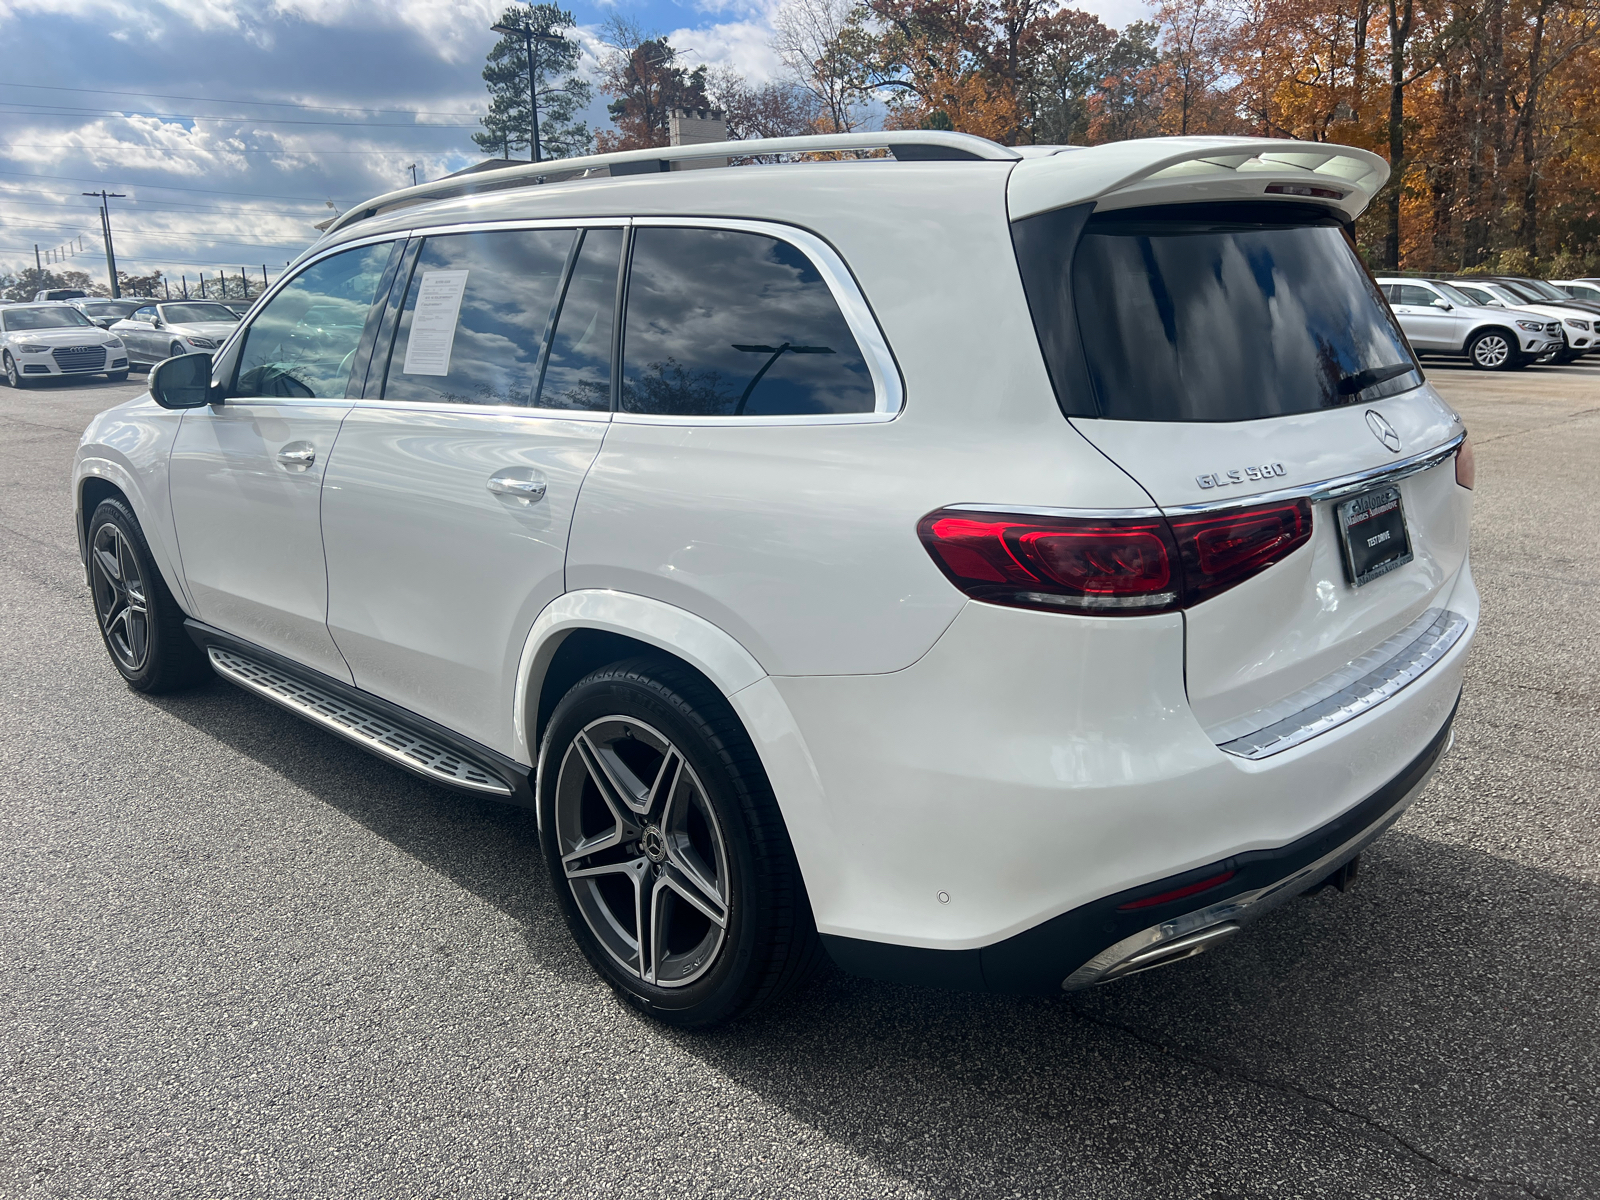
[{"x": 1146, "y": 951}]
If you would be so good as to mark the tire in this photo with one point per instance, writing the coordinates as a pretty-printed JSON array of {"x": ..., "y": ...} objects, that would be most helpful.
[
  {"x": 1565, "y": 355},
  {"x": 1494, "y": 350},
  {"x": 140, "y": 623},
  {"x": 118, "y": 376},
  {"x": 174, "y": 350},
  {"x": 728, "y": 925},
  {"x": 14, "y": 377}
]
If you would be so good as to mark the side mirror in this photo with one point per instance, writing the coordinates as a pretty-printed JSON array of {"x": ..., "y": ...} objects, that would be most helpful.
[
  {"x": 1444, "y": 304},
  {"x": 184, "y": 382},
  {"x": 156, "y": 321}
]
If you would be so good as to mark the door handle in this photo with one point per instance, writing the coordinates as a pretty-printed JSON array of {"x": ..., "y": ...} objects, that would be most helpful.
[
  {"x": 509, "y": 483},
  {"x": 298, "y": 454}
]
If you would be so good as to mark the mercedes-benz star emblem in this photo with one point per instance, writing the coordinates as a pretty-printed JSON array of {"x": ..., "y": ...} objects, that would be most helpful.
[{"x": 1383, "y": 431}]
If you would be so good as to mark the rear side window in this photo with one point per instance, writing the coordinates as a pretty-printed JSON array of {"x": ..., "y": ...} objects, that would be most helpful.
[
  {"x": 1208, "y": 313},
  {"x": 577, "y": 371},
  {"x": 475, "y": 317},
  {"x": 730, "y": 323}
]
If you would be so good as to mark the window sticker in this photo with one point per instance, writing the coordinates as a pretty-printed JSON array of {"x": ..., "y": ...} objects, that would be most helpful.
[{"x": 433, "y": 323}]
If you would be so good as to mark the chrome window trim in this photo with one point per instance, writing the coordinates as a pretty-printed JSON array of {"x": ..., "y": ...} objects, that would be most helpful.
[
  {"x": 1346, "y": 694},
  {"x": 888, "y": 389}
]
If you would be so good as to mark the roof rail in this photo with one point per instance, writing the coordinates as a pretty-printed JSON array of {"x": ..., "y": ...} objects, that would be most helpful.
[{"x": 906, "y": 145}]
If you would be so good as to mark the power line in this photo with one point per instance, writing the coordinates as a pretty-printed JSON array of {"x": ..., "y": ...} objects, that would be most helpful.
[
  {"x": 156, "y": 206},
  {"x": 219, "y": 100},
  {"x": 400, "y": 153},
  {"x": 61, "y": 110},
  {"x": 167, "y": 237},
  {"x": 163, "y": 187}
]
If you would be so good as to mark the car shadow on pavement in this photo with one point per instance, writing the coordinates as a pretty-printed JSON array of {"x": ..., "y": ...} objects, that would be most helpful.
[{"x": 1432, "y": 1032}]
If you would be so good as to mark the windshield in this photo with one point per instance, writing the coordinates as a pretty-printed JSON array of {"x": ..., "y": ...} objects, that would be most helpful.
[
  {"x": 1455, "y": 295},
  {"x": 44, "y": 318},
  {"x": 110, "y": 308},
  {"x": 1519, "y": 294},
  {"x": 1542, "y": 290},
  {"x": 183, "y": 314},
  {"x": 1230, "y": 313}
]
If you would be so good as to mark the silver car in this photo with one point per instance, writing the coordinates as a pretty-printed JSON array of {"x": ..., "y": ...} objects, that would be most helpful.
[
  {"x": 165, "y": 330},
  {"x": 1439, "y": 318}
]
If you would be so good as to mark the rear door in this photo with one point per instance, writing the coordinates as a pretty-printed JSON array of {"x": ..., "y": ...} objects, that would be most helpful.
[
  {"x": 450, "y": 493},
  {"x": 1238, "y": 358}
]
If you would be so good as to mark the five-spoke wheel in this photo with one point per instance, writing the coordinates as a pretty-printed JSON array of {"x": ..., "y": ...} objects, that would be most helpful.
[
  {"x": 642, "y": 850},
  {"x": 666, "y": 846},
  {"x": 139, "y": 620},
  {"x": 119, "y": 597}
]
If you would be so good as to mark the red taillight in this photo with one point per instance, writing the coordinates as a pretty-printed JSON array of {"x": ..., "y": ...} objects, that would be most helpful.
[
  {"x": 1109, "y": 566},
  {"x": 1205, "y": 885},
  {"x": 1055, "y": 562},
  {"x": 1222, "y": 549}
]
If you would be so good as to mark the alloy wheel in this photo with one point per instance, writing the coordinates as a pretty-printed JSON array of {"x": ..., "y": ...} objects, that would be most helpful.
[
  {"x": 119, "y": 597},
  {"x": 13, "y": 376},
  {"x": 1491, "y": 351},
  {"x": 643, "y": 851}
]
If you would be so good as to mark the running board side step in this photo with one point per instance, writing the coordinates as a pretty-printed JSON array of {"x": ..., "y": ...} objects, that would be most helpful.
[{"x": 383, "y": 729}]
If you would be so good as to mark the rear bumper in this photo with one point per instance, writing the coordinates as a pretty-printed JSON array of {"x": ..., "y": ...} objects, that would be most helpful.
[{"x": 1102, "y": 940}]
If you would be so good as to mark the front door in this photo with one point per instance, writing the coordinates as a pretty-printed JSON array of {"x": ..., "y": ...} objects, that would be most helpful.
[
  {"x": 451, "y": 491},
  {"x": 246, "y": 474},
  {"x": 1429, "y": 327}
]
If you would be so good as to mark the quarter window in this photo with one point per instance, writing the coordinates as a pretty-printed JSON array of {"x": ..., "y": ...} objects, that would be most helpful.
[
  {"x": 729, "y": 323},
  {"x": 475, "y": 317},
  {"x": 303, "y": 343}
]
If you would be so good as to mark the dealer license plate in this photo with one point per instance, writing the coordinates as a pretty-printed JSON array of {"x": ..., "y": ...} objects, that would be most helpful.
[{"x": 1372, "y": 533}]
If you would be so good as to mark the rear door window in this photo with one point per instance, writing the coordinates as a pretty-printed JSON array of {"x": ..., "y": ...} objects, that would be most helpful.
[
  {"x": 577, "y": 370},
  {"x": 475, "y": 317},
  {"x": 730, "y": 323},
  {"x": 1208, "y": 313}
]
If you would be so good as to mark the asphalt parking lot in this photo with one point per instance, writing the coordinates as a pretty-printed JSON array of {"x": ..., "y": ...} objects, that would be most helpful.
[{"x": 239, "y": 957}]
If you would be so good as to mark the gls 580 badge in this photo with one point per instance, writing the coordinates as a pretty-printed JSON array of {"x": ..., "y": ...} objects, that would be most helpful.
[{"x": 1243, "y": 475}]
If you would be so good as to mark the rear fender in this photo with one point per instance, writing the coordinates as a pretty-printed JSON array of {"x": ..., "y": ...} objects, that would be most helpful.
[{"x": 721, "y": 659}]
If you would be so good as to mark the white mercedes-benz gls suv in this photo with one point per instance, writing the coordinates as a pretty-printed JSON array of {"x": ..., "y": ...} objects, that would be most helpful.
[{"x": 1000, "y": 569}]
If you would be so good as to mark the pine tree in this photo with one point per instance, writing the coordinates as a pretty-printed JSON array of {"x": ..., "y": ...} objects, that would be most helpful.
[{"x": 563, "y": 94}]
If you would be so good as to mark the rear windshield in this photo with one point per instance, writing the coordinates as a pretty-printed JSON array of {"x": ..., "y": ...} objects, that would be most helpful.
[{"x": 1218, "y": 313}]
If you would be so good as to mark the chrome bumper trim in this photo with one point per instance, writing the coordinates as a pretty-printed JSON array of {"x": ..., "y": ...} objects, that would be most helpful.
[
  {"x": 367, "y": 729},
  {"x": 1182, "y": 937},
  {"x": 1346, "y": 694}
]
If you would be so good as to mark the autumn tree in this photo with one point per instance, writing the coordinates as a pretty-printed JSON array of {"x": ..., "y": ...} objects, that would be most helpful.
[{"x": 643, "y": 76}]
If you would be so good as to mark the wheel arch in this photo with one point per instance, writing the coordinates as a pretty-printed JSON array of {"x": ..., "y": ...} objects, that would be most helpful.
[
  {"x": 581, "y": 631},
  {"x": 100, "y": 474}
]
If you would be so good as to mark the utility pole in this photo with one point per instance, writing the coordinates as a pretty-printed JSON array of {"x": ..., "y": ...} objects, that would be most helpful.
[
  {"x": 413, "y": 170},
  {"x": 530, "y": 39},
  {"x": 105, "y": 225},
  {"x": 38, "y": 263}
]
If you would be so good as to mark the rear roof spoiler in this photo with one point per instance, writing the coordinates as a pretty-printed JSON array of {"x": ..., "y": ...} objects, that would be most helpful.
[{"x": 1185, "y": 170}]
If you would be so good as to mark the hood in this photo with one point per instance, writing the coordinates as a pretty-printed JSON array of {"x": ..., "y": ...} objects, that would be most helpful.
[
  {"x": 216, "y": 330},
  {"x": 77, "y": 335}
]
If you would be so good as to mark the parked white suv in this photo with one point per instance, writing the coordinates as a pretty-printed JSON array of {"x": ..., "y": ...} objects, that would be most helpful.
[
  {"x": 1019, "y": 568},
  {"x": 1438, "y": 318}
]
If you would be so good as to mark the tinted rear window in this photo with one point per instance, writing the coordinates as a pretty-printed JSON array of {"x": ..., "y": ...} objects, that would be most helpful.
[{"x": 1209, "y": 313}]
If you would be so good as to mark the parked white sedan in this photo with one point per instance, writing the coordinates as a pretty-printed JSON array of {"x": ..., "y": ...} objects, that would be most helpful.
[
  {"x": 160, "y": 331},
  {"x": 39, "y": 340}
]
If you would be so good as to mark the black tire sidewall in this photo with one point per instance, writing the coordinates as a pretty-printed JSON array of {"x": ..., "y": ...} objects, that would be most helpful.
[{"x": 727, "y": 988}]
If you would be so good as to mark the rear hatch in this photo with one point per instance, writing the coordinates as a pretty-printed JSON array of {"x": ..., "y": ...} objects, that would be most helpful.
[{"x": 1236, "y": 358}]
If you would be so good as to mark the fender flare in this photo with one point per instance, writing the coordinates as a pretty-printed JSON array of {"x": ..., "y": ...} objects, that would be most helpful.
[
  {"x": 736, "y": 674},
  {"x": 697, "y": 641}
]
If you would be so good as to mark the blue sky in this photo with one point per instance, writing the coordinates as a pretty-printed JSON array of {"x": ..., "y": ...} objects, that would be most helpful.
[{"x": 230, "y": 124}]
